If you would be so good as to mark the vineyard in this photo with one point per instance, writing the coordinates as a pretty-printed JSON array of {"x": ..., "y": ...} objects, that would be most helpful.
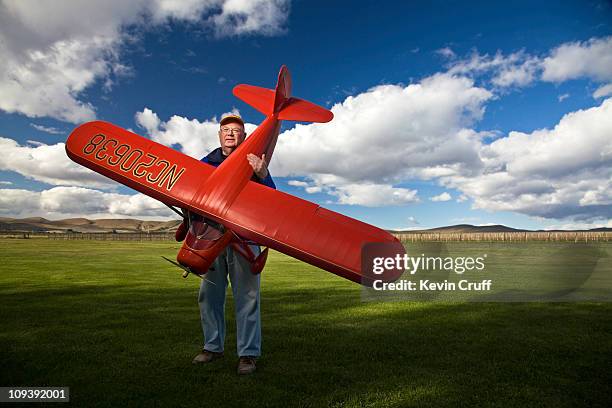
[{"x": 417, "y": 236}]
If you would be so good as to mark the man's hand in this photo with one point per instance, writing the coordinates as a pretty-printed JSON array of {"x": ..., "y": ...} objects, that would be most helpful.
[{"x": 260, "y": 167}]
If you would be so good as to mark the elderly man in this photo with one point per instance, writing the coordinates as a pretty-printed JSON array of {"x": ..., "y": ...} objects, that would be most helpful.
[{"x": 245, "y": 285}]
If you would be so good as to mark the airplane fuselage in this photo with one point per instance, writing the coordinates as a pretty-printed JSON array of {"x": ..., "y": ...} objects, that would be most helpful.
[{"x": 216, "y": 195}]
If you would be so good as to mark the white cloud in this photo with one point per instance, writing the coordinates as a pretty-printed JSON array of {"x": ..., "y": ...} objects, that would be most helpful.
[
  {"x": 446, "y": 52},
  {"x": 46, "y": 129},
  {"x": 365, "y": 194},
  {"x": 592, "y": 59},
  {"x": 564, "y": 172},
  {"x": 371, "y": 195},
  {"x": 580, "y": 225},
  {"x": 604, "y": 90},
  {"x": 516, "y": 74},
  {"x": 47, "y": 163},
  {"x": 35, "y": 143},
  {"x": 515, "y": 69},
  {"x": 313, "y": 189},
  {"x": 46, "y": 82},
  {"x": 148, "y": 120},
  {"x": 53, "y": 51},
  {"x": 309, "y": 188},
  {"x": 239, "y": 17},
  {"x": 388, "y": 133},
  {"x": 68, "y": 202},
  {"x": 441, "y": 197},
  {"x": 563, "y": 97},
  {"x": 193, "y": 137},
  {"x": 384, "y": 136},
  {"x": 188, "y": 10}
]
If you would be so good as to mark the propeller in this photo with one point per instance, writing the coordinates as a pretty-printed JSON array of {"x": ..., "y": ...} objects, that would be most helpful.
[{"x": 186, "y": 270}]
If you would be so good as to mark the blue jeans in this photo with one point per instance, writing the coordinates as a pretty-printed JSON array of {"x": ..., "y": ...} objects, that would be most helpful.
[{"x": 245, "y": 288}]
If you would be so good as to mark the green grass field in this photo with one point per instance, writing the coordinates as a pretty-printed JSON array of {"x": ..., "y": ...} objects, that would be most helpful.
[{"x": 119, "y": 326}]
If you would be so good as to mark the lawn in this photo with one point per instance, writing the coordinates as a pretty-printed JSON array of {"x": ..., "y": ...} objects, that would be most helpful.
[{"x": 119, "y": 326}]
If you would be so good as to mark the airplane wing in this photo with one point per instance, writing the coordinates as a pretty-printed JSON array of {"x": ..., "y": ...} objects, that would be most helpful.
[
  {"x": 137, "y": 162},
  {"x": 278, "y": 220},
  {"x": 308, "y": 232}
]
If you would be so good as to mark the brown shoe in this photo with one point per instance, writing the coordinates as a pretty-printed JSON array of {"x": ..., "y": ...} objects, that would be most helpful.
[
  {"x": 246, "y": 365},
  {"x": 206, "y": 357}
]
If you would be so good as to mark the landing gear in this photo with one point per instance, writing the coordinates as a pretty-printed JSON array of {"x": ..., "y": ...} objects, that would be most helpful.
[{"x": 204, "y": 239}]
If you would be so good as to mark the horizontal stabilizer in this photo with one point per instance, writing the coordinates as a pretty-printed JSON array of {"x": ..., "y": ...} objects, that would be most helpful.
[
  {"x": 260, "y": 98},
  {"x": 279, "y": 101},
  {"x": 304, "y": 111}
]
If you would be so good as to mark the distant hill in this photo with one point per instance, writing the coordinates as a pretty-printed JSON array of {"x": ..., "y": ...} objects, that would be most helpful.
[
  {"x": 38, "y": 224},
  {"x": 474, "y": 228},
  {"x": 486, "y": 228}
]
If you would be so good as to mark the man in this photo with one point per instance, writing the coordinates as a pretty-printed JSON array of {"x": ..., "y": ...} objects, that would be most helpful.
[{"x": 245, "y": 285}]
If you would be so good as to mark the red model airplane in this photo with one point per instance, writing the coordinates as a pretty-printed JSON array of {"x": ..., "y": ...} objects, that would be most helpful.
[{"x": 231, "y": 209}]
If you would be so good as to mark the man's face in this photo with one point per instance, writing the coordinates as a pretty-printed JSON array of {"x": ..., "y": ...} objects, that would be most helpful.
[{"x": 231, "y": 135}]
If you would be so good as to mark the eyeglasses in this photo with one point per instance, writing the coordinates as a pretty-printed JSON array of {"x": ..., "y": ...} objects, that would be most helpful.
[{"x": 227, "y": 131}]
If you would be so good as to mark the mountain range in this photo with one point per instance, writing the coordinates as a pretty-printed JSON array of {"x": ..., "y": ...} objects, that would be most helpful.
[{"x": 39, "y": 224}]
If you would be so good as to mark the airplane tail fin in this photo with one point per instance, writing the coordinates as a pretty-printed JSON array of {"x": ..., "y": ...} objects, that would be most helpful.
[{"x": 279, "y": 101}]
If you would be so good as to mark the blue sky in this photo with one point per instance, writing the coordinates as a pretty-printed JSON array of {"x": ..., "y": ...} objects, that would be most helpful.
[{"x": 446, "y": 112}]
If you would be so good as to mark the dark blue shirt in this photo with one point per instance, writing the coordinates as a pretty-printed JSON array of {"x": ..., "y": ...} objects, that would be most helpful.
[{"x": 216, "y": 157}]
